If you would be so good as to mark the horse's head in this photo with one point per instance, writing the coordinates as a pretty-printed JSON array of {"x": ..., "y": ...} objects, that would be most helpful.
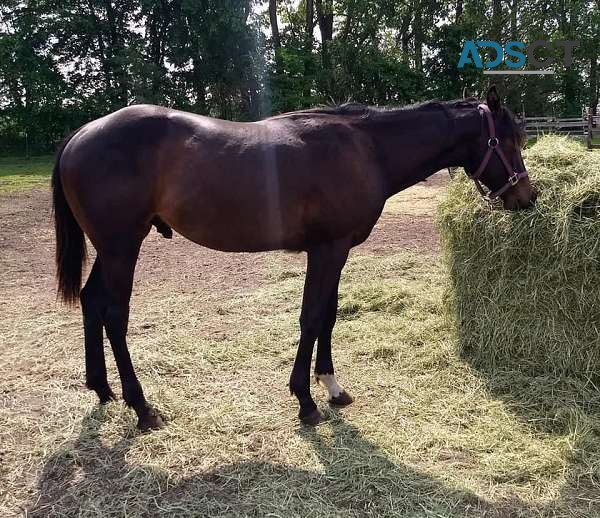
[{"x": 496, "y": 159}]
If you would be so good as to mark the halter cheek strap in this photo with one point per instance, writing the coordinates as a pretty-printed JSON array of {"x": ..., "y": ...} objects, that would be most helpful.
[{"x": 493, "y": 147}]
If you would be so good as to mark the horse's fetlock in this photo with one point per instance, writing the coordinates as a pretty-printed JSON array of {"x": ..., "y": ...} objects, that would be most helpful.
[
  {"x": 96, "y": 382},
  {"x": 133, "y": 395}
]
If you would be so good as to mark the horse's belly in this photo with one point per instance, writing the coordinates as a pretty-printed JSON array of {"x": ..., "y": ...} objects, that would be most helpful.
[
  {"x": 270, "y": 226},
  {"x": 234, "y": 229}
]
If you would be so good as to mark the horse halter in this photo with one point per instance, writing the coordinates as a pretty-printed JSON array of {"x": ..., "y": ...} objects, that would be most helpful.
[{"x": 493, "y": 147}]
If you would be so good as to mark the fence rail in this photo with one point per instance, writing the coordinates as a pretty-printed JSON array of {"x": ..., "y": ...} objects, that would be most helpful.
[{"x": 581, "y": 127}]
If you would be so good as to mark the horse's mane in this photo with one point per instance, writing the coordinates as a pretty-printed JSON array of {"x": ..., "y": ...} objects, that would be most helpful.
[
  {"x": 376, "y": 112},
  {"x": 389, "y": 113}
]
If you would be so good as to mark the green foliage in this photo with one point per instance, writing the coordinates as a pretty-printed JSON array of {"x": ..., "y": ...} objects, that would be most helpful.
[{"x": 65, "y": 63}]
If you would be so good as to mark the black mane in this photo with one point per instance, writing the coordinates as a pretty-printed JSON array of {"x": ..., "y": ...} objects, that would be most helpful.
[
  {"x": 374, "y": 112},
  {"x": 387, "y": 114}
]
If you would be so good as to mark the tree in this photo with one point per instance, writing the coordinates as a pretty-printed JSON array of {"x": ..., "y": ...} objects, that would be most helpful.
[{"x": 64, "y": 62}]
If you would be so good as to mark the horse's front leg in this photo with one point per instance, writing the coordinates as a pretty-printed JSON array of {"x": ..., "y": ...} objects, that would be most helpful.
[
  {"x": 324, "y": 371},
  {"x": 325, "y": 263}
]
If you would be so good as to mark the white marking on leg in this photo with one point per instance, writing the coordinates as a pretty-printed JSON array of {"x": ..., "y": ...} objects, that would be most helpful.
[{"x": 333, "y": 387}]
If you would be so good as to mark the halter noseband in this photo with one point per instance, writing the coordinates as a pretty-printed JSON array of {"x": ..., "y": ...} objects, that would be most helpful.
[{"x": 492, "y": 147}]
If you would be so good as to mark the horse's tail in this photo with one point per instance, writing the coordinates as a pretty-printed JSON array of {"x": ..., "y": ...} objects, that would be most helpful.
[{"x": 70, "y": 241}]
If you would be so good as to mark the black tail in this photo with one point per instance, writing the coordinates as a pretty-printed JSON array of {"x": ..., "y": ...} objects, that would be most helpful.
[{"x": 70, "y": 241}]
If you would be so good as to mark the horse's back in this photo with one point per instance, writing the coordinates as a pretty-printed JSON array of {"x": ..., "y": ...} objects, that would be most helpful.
[{"x": 226, "y": 185}]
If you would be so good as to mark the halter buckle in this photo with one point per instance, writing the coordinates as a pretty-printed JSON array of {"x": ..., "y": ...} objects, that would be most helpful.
[
  {"x": 514, "y": 178},
  {"x": 493, "y": 142}
]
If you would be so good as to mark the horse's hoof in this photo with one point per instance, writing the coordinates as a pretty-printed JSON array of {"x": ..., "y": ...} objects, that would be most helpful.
[
  {"x": 150, "y": 421},
  {"x": 312, "y": 419},
  {"x": 342, "y": 399}
]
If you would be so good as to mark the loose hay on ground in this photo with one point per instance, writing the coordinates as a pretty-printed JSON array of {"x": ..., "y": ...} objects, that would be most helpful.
[
  {"x": 427, "y": 436},
  {"x": 525, "y": 287}
]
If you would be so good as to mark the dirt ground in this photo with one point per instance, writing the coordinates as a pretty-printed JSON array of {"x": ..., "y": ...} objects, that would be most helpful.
[{"x": 27, "y": 248}]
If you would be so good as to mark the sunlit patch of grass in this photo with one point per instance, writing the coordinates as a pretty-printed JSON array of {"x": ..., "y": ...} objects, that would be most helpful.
[{"x": 20, "y": 173}]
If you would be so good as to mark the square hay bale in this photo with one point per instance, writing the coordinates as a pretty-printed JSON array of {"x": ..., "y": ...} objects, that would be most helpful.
[{"x": 524, "y": 287}]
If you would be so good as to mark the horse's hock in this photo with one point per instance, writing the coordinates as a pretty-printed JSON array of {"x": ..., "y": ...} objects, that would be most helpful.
[{"x": 524, "y": 288}]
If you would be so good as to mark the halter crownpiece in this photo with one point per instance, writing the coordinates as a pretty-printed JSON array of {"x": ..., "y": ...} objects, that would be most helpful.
[{"x": 493, "y": 147}]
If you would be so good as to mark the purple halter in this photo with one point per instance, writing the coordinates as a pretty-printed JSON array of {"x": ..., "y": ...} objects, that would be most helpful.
[{"x": 513, "y": 176}]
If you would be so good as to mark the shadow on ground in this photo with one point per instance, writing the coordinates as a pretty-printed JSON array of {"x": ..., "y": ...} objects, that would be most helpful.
[{"x": 357, "y": 479}]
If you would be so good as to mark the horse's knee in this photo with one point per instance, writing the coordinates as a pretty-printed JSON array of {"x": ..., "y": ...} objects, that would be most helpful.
[
  {"x": 310, "y": 327},
  {"x": 88, "y": 299}
]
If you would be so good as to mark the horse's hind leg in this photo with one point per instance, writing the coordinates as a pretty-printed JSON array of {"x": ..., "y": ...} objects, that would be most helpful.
[
  {"x": 92, "y": 302},
  {"x": 117, "y": 274},
  {"x": 324, "y": 371}
]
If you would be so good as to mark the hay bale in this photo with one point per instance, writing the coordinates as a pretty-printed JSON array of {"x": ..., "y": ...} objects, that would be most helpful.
[{"x": 525, "y": 287}]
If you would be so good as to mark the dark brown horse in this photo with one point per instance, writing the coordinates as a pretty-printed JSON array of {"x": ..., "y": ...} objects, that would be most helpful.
[{"x": 313, "y": 181}]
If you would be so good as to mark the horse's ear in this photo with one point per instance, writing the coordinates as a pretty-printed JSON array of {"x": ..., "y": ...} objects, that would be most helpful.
[{"x": 492, "y": 99}]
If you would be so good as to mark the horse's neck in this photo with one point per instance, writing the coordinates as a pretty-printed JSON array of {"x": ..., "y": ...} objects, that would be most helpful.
[{"x": 422, "y": 143}]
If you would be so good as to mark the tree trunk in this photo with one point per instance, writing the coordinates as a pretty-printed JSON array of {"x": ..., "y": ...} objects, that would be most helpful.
[
  {"x": 404, "y": 35},
  {"x": 158, "y": 27},
  {"x": 275, "y": 36},
  {"x": 274, "y": 24},
  {"x": 514, "y": 11},
  {"x": 496, "y": 21},
  {"x": 325, "y": 20},
  {"x": 594, "y": 82},
  {"x": 116, "y": 44},
  {"x": 418, "y": 35},
  {"x": 308, "y": 45},
  {"x": 310, "y": 17},
  {"x": 459, "y": 11}
]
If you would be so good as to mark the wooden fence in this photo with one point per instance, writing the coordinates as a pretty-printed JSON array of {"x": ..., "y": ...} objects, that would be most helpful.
[
  {"x": 593, "y": 127},
  {"x": 584, "y": 127}
]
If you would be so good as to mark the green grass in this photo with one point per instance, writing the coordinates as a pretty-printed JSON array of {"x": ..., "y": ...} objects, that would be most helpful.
[{"x": 19, "y": 173}]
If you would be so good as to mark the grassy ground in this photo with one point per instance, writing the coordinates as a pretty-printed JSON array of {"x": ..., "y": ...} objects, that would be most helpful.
[
  {"x": 24, "y": 173},
  {"x": 213, "y": 340},
  {"x": 428, "y": 435}
]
